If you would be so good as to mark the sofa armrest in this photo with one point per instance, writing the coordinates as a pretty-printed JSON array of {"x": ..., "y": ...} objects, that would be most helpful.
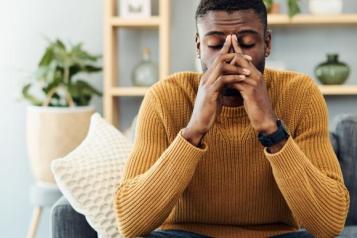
[
  {"x": 346, "y": 135},
  {"x": 67, "y": 223}
]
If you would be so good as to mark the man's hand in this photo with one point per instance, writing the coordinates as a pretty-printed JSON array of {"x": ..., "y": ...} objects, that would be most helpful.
[
  {"x": 254, "y": 92},
  {"x": 208, "y": 102}
]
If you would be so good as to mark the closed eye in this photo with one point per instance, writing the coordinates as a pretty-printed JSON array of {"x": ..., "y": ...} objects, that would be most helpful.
[
  {"x": 215, "y": 47},
  {"x": 247, "y": 46}
]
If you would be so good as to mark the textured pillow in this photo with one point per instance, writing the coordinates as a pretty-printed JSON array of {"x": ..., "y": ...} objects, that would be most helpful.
[{"x": 87, "y": 176}]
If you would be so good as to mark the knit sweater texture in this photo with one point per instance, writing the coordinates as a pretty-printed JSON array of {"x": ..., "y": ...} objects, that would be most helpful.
[{"x": 232, "y": 186}]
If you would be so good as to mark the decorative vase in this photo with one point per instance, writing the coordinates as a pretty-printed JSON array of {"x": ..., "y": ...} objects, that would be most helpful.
[
  {"x": 51, "y": 134},
  {"x": 145, "y": 73},
  {"x": 332, "y": 71},
  {"x": 325, "y": 6}
]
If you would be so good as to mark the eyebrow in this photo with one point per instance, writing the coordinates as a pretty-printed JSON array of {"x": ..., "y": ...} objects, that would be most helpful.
[{"x": 220, "y": 33}]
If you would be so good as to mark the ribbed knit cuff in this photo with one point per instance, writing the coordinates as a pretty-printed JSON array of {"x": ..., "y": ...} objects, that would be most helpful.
[
  {"x": 288, "y": 161},
  {"x": 187, "y": 146}
]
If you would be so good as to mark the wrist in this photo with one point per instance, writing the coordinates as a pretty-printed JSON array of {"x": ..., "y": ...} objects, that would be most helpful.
[
  {"x": 193, "y": 136},
  {"x": 276, "y": 148},
  {"x": 268, "y": 127}
]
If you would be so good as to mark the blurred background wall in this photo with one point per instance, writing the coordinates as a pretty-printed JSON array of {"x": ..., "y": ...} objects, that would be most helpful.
[{"x": 24, "y": 25}]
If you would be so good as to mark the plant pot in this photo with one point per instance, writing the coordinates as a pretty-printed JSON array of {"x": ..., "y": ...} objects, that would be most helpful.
[
  {"x": 52, "y": 133},
  {"x": 325, "y": 7},
  {"x": 332, "y": 71},
  {"x": 275, "y": 8}
]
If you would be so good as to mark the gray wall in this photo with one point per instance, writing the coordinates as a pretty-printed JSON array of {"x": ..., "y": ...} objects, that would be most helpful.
[{"x": 24, "y": 23}]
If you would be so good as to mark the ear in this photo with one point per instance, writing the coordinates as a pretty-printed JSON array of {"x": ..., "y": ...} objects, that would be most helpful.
[
  {"x": 198, "y": 45},
  {"x": 268, "y": 37}
]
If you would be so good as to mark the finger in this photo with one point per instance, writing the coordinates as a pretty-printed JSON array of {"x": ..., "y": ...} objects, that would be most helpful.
[
  {"x": 216, "y": 69},
  {"x": 240, "y": 87},
  {"x": 237, "y": 49},
  {"x": 249, "y": 82},
  {"x": 227, "y": 45},
  {"x": 213, "y": 70},
  {"x": 240, "y": 61},
  {"x": 227, "y": 80},
  {"x": 227, "y": 69},
  {"x": 248, "y": 57}
]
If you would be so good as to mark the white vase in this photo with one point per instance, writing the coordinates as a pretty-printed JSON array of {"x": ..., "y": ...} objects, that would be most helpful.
[
  {"x": 52, "y": 133},
  {"x": 325, "y": 6}
]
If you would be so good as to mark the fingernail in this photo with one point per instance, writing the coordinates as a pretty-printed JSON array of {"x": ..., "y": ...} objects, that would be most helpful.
[
  {"x": 228, "y": 38},
  {"x": 234, "y": 37},
  {"x": 248, "y": 57},
  {"x": 242, "y": 77},
  {"x": 246, "y": 71}
]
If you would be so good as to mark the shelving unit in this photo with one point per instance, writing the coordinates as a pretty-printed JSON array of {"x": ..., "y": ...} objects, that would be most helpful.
[
  {"x": 343, "y": 90},
  {"x": 113, "y": 23},
  {"x": 310, "y": 20},
  {"x": 279, "y": 20},
  {"x": 113, "y": 91}
]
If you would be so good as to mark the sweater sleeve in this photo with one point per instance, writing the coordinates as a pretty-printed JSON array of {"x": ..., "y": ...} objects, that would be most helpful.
[
  {"x": 308, "y": 174},
  {"x": 156, "y": 174}
]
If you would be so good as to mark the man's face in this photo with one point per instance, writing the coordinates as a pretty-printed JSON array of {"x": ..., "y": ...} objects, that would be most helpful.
[{"x": 215, "y": 26}]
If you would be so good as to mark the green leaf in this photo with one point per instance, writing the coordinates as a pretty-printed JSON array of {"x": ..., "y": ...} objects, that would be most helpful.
[
  {"x": 59, "y": 44},
  {"x": 75, "y": 69},
  {"x": 82, "y": 92},
  {"x": 47, "y": 57},
  {"x": 87, "y": 88},
  {"x": 53, "y": 65},
  {"x": 293, "y": 8},
  {"x": 268, "y": 4},
  {"x": 79, "y": 53},
  {"x": 32, "y": 99},
  {"x": 92, "y": 69}
]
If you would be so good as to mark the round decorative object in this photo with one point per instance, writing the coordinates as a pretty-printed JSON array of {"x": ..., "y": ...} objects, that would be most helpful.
[
  {"x": 146, "y": 72},
  {"x": 325, "y": 6},
  {"x": 332, "y": 71}
]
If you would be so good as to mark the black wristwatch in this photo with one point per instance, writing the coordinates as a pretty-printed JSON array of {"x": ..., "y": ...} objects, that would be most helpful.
[{"x": 274, "y": 138}]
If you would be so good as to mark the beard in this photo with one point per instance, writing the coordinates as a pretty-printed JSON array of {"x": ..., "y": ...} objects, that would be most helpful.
[{"x": 229, "y": 91}]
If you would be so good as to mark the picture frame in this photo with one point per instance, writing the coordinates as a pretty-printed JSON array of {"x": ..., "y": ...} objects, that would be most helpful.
[{"x": 135, "y": 8}]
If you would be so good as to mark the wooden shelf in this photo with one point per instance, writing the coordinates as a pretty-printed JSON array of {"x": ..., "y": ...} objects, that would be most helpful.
[
  {"x": 112, "y": 24},
  {"x": 129, "y": 91},
  {"x": 343, "y": 90},
  {"x": 284, "y": 20},
  {"x": 152, "y": 22}
]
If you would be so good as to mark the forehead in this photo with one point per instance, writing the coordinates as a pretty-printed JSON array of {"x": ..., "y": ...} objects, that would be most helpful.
[{"x": 229, "y": 22}]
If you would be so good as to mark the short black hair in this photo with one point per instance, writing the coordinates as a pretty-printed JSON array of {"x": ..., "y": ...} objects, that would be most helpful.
[{"x": 257, "y": 6}]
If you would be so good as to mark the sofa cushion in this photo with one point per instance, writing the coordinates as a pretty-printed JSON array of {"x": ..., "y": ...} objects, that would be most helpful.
[
  {"x": 87, "y": 176},
  {"x": 66, "y": 222},
  {"x": 346, "y": 135}
]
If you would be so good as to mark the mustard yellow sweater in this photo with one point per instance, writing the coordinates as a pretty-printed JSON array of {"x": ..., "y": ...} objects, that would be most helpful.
[{"x": 232, "y": 187}]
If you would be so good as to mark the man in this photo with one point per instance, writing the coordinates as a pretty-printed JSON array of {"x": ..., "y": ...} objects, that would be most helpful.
[{"x": 212, "y": 156}]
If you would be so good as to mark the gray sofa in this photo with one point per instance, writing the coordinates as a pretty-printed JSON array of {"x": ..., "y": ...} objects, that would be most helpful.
[{"x": 67, "y": 223}]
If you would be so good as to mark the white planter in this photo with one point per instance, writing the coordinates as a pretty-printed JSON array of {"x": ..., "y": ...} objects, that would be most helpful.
[
  {"x": 53, "y": 133},
  {"x": 325, "y": 6}
]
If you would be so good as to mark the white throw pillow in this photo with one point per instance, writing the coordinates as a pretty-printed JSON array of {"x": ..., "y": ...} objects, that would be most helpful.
[{"x": 88, "y": 176}]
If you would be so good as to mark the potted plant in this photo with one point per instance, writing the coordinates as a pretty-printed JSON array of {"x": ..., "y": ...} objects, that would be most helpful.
[
  {"x": 58, "y": 119},
  {"x": 293, "y": 6}
]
